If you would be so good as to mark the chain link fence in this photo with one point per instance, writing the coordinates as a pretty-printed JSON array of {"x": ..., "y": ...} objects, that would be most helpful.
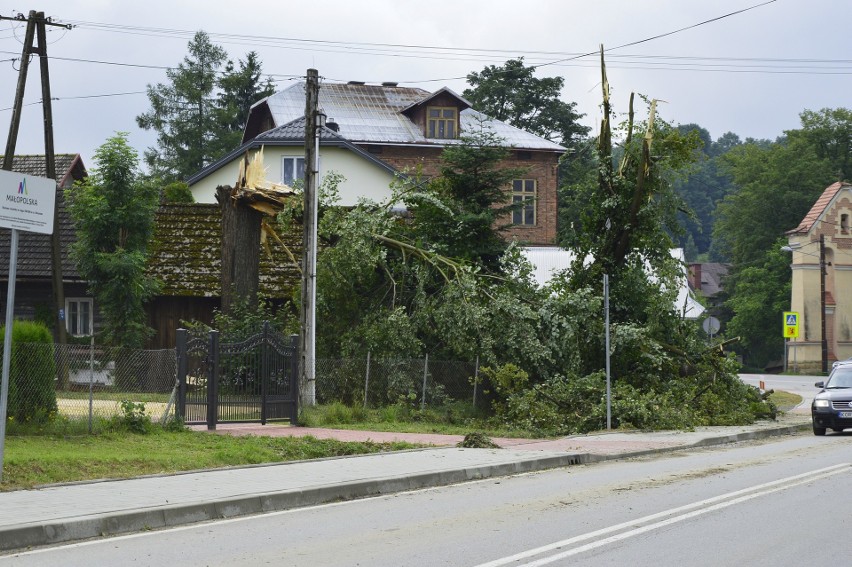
[
  {"x": 377, "y": 383},
  {"x": 87, "y": 384}
]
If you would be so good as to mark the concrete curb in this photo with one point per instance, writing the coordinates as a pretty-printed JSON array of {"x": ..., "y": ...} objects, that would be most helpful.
[{"x": 127, "y": 521}]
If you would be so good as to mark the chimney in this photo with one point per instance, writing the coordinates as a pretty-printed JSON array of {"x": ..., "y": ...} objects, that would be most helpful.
[
  {"x": 695, "y": 276},
  {"x": 332, "y": 125}
]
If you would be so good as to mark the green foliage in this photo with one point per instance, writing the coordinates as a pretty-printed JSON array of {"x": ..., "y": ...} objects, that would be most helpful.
[
  {"x": 133, "y": 418},
  {"x": 239, "y": 89},
  {"x": 786, "y": 177},
  {"x": 457, "y": 216},
  {"x": 200, "y": 112},
  {"x": 113, "y": 215},
  {"x": 478, "y": 440},
  {"x": 32, "y": 371},
  {"x": 177, "y": 192},
  {"x": 513, "y": 94}
]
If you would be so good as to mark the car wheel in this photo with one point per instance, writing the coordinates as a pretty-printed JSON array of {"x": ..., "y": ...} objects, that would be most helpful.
[{"x": 819, "y": 430}]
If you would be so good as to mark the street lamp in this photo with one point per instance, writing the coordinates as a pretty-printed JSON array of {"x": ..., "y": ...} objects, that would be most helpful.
[{"x": 821, "y": 295}]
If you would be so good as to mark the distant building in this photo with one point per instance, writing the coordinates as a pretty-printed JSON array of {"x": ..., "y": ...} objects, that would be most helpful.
[{"x": 829, "y": 217}]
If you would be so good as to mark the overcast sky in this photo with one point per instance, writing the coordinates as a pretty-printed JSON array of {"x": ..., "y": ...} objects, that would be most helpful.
[{"x": 751, "y": 73}]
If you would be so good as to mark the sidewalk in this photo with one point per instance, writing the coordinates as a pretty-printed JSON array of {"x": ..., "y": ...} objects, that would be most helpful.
[{"x": 77, "y": 511}]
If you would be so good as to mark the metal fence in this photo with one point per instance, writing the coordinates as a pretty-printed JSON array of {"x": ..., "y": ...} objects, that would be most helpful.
[
  {"x": 87, "y": 383},
  {"x": 377, "y": 383}
]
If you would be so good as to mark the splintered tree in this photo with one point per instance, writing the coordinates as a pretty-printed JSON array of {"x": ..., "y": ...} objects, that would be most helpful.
[{"x": 244, "y": 208}]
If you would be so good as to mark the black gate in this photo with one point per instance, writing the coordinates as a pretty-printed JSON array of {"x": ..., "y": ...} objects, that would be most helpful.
[{"x": 253, "y": 380}]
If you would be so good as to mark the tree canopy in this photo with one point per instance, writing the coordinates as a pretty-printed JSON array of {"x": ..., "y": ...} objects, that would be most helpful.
[
  {"x": 199, "y": 113},
  {"x": 113, "y": 215},
  {"x": 513, "y": 94}
]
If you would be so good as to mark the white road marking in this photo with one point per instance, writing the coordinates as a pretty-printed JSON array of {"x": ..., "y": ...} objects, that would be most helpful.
[{"x": 661, "y": 519}]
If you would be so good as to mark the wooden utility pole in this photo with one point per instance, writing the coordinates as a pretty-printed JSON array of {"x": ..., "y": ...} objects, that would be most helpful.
[
  {"x": 307, "y": 346},
  {"x": 36, "y": 26}
]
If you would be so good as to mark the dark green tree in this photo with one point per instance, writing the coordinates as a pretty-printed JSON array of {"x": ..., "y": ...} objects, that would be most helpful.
[
  {"x": 513, "y": 94},
  {"x": 776, "y": 184},
  {"x": 113, "y": 215},
  {"x": 239, "y": 89},
  {"x": 465, "y": 211},
  {"x": 184, "y": 113}
]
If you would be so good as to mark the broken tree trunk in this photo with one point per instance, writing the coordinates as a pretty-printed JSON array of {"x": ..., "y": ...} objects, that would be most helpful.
[{"x": 240, "y": 250}]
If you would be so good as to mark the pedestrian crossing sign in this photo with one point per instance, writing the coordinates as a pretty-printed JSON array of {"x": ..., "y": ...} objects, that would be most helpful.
[{"x": 791, "y": 324}]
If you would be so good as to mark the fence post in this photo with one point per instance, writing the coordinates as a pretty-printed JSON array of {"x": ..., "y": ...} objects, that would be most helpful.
[
  {"x": 367, "y": 380},
  {"x": 213, "y": 381},
  {"x": 264, "y": 371},
  {"x": 425, "y": 372},
  {"x": 182, "y": 363},
  {"x": 294, "y": 378},
  {"x": 475, "y": 380},
  {"x": 91, "y": 378}
]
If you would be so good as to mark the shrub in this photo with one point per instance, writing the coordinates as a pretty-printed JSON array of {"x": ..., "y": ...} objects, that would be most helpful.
[
  {"x": 32, "y": 372},
  {"x": 133, "y": 418},
  {"x": 177, "y": 192}
]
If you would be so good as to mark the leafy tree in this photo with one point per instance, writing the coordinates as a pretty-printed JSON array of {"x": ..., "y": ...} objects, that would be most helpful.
[
  {"x": 701, "y": 189},
  {"x": 513, "y": 94},
  {"x": 465, "y": 210},
  {"x": 239, "y": 89},
  {"x": 776, "y": 185},
  {"x": 200, "y": 112},
  {"x": 113, "y": 215},
  {"x": 183, "y": 113}
]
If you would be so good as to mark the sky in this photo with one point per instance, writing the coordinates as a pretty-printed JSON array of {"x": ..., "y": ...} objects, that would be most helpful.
[{"x": 750, "y": 73}]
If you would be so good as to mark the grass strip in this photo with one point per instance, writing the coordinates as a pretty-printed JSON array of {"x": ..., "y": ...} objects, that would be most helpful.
[{"x": 36, "y": 460}]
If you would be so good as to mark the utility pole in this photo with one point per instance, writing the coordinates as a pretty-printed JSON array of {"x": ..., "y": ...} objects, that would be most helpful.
[
  {"x": 307, "y": 346},
  {"x": 36, "y": 26}
]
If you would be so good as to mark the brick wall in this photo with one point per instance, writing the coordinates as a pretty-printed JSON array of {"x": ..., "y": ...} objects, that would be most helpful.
[{"x": 541, "y": 166}]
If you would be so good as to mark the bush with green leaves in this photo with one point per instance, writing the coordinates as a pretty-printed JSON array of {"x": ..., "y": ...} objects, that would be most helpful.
[{"x": 32, "y": 373}]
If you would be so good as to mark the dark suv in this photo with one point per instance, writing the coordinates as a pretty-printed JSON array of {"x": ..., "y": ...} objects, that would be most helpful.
[{"x": 832, "y": 406}]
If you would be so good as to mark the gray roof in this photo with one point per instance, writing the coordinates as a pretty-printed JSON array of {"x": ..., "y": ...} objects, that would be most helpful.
[
  {"x": 290, "y": 134},
  {"x": 374, "y": 114}
]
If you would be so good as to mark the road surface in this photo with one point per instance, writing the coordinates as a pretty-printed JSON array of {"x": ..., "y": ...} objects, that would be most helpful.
[{"x": 779, "y": 502}]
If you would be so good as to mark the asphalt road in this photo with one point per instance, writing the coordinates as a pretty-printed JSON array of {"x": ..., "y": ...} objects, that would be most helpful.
[
  {"x": 780, "y": 502},
  {"x": 801, "y": 385}
]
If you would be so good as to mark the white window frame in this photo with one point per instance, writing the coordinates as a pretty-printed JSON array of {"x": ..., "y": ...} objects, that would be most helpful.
[
  {"x": 294, "y": 167},
  {"x": 79, "y": 321}
]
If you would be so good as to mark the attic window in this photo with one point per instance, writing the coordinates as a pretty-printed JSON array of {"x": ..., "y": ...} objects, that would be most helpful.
[
  {"x": 844, "y": 224},
  {"x": 442, "y": 122}
]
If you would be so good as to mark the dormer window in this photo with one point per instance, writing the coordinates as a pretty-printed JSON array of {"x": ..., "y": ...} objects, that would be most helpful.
[{"x": 442, "y": 122}]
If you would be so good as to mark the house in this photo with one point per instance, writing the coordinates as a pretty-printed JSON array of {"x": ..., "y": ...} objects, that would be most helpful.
[
  {"x": 547, "y": 261},
  {"x": 376, "y": 132},
  {"x": 34, "y": 287},
  {"x": 185, "y": 256},
  {"x": 829, "y": 219},
  {"x": 707, "y": 280}
]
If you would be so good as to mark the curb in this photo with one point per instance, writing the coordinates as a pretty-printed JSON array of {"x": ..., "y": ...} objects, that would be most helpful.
[{"x": 123, "y": 522}]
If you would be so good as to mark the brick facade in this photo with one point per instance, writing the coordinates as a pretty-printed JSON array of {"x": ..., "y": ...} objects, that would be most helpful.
[{"x": 541, "y": 166}]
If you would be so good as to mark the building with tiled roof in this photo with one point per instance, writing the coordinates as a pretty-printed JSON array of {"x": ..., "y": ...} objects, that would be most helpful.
[
  {"x": 185, "y": 256},
  {"x": 377, "y": 132},
  {"x": 829, "y": 218},
  {"x": 34, "y": 289}
]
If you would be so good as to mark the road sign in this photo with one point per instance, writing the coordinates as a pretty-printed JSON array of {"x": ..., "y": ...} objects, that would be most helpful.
[
  {"x": 711, "y": 325},
  {"x": 27, "y": 202},
  {"x": 791, "y": 324}
]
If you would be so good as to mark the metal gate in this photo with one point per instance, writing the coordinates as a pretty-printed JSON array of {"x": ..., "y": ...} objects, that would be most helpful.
[{"x": 253, "y": 380}]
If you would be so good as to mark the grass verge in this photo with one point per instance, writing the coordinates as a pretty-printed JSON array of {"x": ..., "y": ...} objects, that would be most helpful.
[
  {"x": 35, "y": 460},
  {"x": 451, "y": 419},
  {"x": 785, "y": 401}
]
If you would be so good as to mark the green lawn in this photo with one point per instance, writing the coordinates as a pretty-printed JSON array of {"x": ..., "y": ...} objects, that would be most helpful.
[{"x": 35, "y": 460}]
